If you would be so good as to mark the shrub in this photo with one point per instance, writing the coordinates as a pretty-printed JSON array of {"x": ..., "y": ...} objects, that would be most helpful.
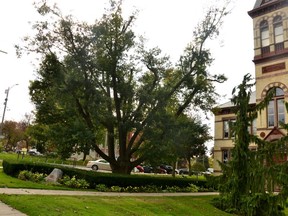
[
  {"x": 74, "y": 183},
  {"x": 29, "y": 176},
  {"x": 94, "y": 179},
  {"x": 101, "y": 188},
  {"x": 116, "y": 189},
  {"x": 192, "y": 188}
]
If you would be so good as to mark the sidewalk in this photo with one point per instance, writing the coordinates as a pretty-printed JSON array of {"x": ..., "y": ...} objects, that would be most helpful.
[
  {"x": 21, "y": 191},
  {"x": 6, "y": 210}
]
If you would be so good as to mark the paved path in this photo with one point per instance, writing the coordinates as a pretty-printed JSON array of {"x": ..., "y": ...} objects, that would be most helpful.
[
  {"x": 90, "y": 193},
  {"x": 6, "y": 210}
]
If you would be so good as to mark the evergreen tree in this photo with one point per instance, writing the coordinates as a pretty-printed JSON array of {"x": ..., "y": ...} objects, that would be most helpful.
[{"x": 250, "y": 177}]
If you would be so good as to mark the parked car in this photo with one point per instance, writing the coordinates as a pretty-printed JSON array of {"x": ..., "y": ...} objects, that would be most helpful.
[
  {"x": 159, "y": 170},
  {"x": 211, "y": 170},
  {"x": 206, "y": 173},
  {"x": 150, "y": 169},
  {"x": 99, "y": 164},
  {"x": 183, "y": 171},
  {"x": 169, "y": 169},
  {"x": 147, "y": 169},
  {"x": 139, "y": 168},
  {"x": 34, "y": 152}
]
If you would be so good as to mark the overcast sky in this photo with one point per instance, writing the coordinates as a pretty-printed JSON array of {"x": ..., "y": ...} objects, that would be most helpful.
[{"x": 167, "y": 24}]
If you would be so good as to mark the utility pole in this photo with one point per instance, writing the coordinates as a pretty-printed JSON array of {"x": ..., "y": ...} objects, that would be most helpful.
[
  {"x": 3, "y": 52},
  {"x": 5, "y": 106},
  {"x": 1, "y": 126}
]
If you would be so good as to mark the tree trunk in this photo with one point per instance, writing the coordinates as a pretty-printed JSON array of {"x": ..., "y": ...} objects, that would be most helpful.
[
  {"x": 122, "y": 168},
  {"x": 174, "y": 167},
  {"x": 84, "y": 156}
]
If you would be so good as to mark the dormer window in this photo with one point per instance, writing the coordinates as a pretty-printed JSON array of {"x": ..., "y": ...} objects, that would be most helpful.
[
  {"x": 265, "y": 41},
  {"x": 278, "y": 33}
]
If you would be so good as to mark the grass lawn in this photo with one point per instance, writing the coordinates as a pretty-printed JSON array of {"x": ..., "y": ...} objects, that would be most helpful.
[
  {"x": 67, "y": 205},
  {"x": 42, "y": 159},
  {"x": 10, "y": 182},
  {"x": 81, "y": 205},
  {"x": 42, "y": 205}
]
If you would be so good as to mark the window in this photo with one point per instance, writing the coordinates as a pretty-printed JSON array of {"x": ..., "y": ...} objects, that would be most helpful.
[
  {"x": 264, "y": 33},
  {"x": 226, "y": 155},
  {"x": 253, "y": 128},
  {"x": 278, "y": 33},
  {"x": 276, "y": 109},
  {"x": 265, "y": 41},
  {"x": 227, "y": 128}
]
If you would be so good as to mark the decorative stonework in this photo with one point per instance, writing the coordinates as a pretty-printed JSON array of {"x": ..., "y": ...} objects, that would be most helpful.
[
  {"x": 275, "y": 84},
  {"x": 274, "y": 67},
  {"x": 267, "y": 8},
  {"x": 262, "y": 134}
]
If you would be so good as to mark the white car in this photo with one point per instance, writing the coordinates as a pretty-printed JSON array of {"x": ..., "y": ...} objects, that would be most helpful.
[
  {"x": 34, "y": 152},
  {"x": 99, "y": 164}
]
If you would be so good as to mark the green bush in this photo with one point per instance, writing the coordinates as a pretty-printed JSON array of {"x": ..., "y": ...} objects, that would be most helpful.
[
  {"x": 73, "y": 182},
  {"x": 102, "y": 188},
  {"x": 29, "y": 176},
  {"x": 94, "y": 179},
  {"x": 213, "y": 182},
  {"x": 253, "y": 205}
]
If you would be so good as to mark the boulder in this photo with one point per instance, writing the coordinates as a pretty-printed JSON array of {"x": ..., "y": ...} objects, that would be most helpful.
[{"x": 54, "y": 176}]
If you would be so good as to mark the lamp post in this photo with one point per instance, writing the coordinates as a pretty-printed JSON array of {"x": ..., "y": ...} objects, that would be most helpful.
[{"x": 5, "y": 106}]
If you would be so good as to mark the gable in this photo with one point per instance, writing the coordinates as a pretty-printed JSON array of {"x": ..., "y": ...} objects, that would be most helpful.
[{"x": 275, "y": 134}]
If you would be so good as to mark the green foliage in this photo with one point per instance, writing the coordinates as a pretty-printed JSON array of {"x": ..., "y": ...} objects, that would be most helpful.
[
  {"x": 147, "y": 189},
  {"x": 99, "y": 79},
  {"x": 73, "y": 182},
  {"x": 263, "y": 204},
  {"x": 13, "y": 133},
  {"x": 204, "y": 160},
  {"x": 94, "y": 179},
  {"x": 198, "y": 167},
  {"x": 250, "y": 178},
  {"x": 30, "y": 176},
  {"x": 102, "y": 188},
  {"x": 13, "y": 168},
  {"x": 213, "y": 182}
]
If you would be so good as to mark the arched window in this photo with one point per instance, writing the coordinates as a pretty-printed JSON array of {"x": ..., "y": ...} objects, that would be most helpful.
[
  {"x": 278, "y": 33},
  {"x": 265, "y": 40},
  {"x": 276, "y": 109}
]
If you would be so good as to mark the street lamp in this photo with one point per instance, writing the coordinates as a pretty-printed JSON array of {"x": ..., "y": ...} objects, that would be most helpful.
[{"x": 5, "y": 106}]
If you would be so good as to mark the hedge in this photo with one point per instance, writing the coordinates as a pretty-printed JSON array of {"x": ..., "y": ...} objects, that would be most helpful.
[{"x": 13, "y": 168}]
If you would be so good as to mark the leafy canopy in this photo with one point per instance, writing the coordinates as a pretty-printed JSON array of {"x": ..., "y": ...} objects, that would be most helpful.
[{"x": 99, "y": 85}]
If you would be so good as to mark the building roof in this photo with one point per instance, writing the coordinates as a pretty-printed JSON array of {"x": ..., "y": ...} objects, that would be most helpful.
[
  {"x": 259, "y": 3},
  {"x": 230, "y": 104}
]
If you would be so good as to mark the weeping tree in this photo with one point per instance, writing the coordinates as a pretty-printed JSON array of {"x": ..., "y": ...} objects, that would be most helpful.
[
  {"x": 250, "y": 178},
  {"x": 103, "y": 78}
]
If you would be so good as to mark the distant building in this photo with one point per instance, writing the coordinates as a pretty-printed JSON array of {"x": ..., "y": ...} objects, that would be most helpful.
[{"x": 270, "y": 25}]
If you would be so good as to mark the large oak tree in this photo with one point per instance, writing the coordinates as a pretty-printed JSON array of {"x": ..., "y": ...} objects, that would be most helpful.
[{"x": 101, "y": 78}]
